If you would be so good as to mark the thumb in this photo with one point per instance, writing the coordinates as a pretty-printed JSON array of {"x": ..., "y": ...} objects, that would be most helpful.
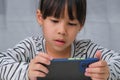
[{"x": 98, "y": 54}]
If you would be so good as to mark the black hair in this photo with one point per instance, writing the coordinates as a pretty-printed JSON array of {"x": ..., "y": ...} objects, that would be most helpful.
[{"x": 56, "y": 7}]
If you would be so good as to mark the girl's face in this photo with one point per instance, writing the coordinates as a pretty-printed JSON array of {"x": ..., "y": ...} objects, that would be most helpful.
[{"x": 59, "y": 33}]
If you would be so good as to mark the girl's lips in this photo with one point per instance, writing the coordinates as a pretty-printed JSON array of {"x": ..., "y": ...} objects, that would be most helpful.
[{"x": 59, "y": 42}]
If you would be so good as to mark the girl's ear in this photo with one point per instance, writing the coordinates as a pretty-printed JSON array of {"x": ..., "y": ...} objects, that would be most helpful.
[{"x": 39, "y": 17}]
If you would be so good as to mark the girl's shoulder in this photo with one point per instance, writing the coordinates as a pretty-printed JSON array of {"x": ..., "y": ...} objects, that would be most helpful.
[
  {"x": 33, "y": 39},
  {"x": 83, "y": 42},
  {"x": 37, "y": 38},
  {"x": 85, "y": 45}
]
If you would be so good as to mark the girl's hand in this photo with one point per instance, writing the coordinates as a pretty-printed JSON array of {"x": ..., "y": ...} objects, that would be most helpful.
[
  {"x": 98, "y": 70},
  {"x": 36, "y": 66}
]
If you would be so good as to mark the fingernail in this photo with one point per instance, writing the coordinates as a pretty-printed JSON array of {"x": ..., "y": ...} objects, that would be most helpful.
[
  {"x": 51, "y": 57},
  {"x": 87, "y": 69},
  {"x": 86, "y": 74},
  {"x": 49, "y": 63}
]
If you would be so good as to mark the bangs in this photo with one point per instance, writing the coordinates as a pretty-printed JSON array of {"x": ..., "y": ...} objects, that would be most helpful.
[
  {"x": 52, "y": 8},
  {"x": 56, "y": 8}
]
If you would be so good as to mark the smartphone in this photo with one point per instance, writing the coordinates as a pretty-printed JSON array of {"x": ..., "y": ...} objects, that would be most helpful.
[{"x": 68, "y": 69}]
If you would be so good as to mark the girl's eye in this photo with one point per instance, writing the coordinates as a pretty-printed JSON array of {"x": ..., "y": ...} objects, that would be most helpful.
[
  {"x": 55, "y": 21},
  {"x": 72, "y": 24}
]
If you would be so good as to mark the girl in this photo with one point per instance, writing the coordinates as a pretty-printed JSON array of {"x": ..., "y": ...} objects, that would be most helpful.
[{"x": 61, "y": 21}]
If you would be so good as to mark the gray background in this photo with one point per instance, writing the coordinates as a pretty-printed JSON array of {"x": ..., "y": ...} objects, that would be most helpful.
[{"x": 17, "y": 21}]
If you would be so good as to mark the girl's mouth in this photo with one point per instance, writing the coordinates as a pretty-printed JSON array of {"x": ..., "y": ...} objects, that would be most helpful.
[{"x": 59, "y": 42}]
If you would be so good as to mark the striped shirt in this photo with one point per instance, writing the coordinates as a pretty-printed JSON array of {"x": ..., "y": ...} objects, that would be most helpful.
[{"x": 14, "y": 62}]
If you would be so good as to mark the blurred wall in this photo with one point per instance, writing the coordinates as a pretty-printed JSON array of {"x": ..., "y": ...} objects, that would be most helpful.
[{"x": 18, "y": 21}]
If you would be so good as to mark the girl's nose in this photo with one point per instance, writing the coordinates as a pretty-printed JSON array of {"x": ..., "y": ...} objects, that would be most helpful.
[{"x": 62, "y": 29}]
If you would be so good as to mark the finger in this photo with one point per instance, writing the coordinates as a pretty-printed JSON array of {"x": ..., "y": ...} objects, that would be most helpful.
[
  {"x": 101, "y": 70},
  {"x": 97, "y": 76},
  {"x": 39, "y": 67},
  {"x": 98, "y": 54},
  {"x": 100, "y": 63},
  {"x": 41, "y": 59},
  {"x": 98, "y": 79},
  {"x": 45, "y": 55},
  {"x": 38, "y": 74},
  {"x": 34, "y": 72}
]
